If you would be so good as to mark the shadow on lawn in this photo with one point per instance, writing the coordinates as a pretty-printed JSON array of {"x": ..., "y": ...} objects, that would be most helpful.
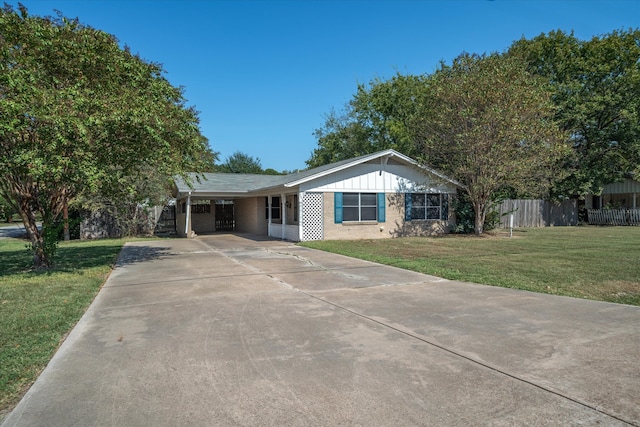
[
  {"x": 15, "y": 261},
  {"x": 77, "y": 258}
]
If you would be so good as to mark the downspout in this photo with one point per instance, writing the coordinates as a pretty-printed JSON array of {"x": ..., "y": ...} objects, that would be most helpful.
[{"x": 186, "y": 222}]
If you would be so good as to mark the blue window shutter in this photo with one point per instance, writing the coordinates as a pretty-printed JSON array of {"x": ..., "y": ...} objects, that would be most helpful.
[
  {"x": 337, "y": 207},
  {"x": 407, "y": 206},
  {"x": 381, "y": 207}
]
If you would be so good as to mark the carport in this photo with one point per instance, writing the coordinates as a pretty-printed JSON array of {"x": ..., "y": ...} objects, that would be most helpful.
[{"x": 230, "y": 202}]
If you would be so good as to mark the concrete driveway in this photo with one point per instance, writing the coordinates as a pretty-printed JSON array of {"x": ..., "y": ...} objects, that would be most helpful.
[{"x": 230, "y": 330}]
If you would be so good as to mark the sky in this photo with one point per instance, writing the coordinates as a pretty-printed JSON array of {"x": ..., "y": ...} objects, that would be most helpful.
[{"x": 264, "y": 74}]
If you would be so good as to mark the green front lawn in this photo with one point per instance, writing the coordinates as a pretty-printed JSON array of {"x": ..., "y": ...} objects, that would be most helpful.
[{"x": 600, "y": 263}]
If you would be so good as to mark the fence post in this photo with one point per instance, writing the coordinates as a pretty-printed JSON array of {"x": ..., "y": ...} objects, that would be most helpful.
[{"x": 511, "y": 225}]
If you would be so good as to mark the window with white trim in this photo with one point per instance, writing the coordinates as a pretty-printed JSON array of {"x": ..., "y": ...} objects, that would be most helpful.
[
  {"x": 275, "y": 207},
  {"x": 424, "y": 206},
  {"x": 359, "y": 207}
]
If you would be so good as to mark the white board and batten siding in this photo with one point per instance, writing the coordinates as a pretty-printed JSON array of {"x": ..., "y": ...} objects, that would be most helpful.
[{"x": 368, "y": 177}]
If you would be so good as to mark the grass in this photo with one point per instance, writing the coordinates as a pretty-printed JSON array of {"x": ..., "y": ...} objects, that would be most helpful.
[
  {"x": 599, "y": 263},
  {"x": 15, "y": 220},
  {"x": 38, "y": 308}
]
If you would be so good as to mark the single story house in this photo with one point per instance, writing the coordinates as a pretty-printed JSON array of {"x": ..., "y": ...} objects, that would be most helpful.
[
  {"x": 624, "y": 194},
  {"x": 617, "y": 204},
  {"x": 384, "y": 194}
]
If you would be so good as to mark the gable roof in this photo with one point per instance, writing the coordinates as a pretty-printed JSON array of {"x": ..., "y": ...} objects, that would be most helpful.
[
  {"x": 384, "y": 156},
  {"x": 234, "y": 184}
]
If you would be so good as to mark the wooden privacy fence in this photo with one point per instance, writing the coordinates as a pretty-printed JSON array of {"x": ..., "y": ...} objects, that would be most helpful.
[
  {"x": 166, "y": 220},
  {"x": 537, "y": 213},
  {"x": 614, "y": 216}
]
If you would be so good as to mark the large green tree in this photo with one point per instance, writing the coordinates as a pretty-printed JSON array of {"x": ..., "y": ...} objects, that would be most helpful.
[
  {"x": 81, "y": 115},
  {"x": 596, "y": 87},
  {"x": 240, "y": 162},
  {"x": 379, "y": 116},
  {"x": 490, "y": 125}
]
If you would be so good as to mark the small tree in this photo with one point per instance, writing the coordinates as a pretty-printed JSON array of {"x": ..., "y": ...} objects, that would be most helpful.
[{"x": 489, "y": 124}]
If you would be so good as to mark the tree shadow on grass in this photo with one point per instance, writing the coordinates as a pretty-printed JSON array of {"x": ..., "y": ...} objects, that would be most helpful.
[
  {"x": 15, "y": 261},
  {"x": 78, "y": 257}
]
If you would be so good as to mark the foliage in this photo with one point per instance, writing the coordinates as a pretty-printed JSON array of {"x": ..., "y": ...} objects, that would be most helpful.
[
  {"x": 465, "y": 215},
  {"x": 7, "y": 211},
  {"x": 599, "y": 263},
  {"x": 81, "y": 116},
  {"x": 126, "y": 211},
  {"x": 37, "y": 308},
  {"x": 596, "y": 87},
  {"x": 207, "y": 158},
  {"x": 379, "y": 117},
  {"x": 271, "y": 171},
  {"x": 483, "y": 120},
  {"x": 489, "y": 125},
  {"x": 240, "y": 162}
]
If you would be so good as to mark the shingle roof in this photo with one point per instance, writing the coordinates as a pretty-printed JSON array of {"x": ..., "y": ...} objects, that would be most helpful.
[
  {"x": 233, "y": 183},
  {"x": 225, "y": 182}
]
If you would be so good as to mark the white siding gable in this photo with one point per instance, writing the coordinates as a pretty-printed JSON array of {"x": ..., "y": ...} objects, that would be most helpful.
[{"x": 378, "y": 178}]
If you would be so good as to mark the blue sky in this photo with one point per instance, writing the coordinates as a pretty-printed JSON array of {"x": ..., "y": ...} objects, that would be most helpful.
[{"x": 263, "y": 74}]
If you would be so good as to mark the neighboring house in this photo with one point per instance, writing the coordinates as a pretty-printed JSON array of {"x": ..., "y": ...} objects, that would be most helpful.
[
  {"x": 384, "y": 194},
  {"x": 617, "y": 204},
  {"x": 625, "y": 194}
]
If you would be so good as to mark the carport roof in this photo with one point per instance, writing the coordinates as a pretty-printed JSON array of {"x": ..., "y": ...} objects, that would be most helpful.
[
  {"x": 224, "y": 182},
  {"x": 239, "y": 185}
]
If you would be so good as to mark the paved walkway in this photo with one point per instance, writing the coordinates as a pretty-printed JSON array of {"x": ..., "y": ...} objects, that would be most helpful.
[
  {"x": 228, "y": 330},
  {"x": 12, "y": 231}
]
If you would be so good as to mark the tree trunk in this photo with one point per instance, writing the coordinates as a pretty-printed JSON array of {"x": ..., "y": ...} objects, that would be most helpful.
[
  {"x": 65, "y": 218},
  {"x": 479, "y": 225},
  {"x": 480, "y": 211},
  {"x": 40, "y": 259}
]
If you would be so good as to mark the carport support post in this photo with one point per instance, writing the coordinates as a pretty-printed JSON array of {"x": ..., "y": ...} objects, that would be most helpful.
[
  {"x": 188, "y": 218},
  {"x": 300, "y": 201}
]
